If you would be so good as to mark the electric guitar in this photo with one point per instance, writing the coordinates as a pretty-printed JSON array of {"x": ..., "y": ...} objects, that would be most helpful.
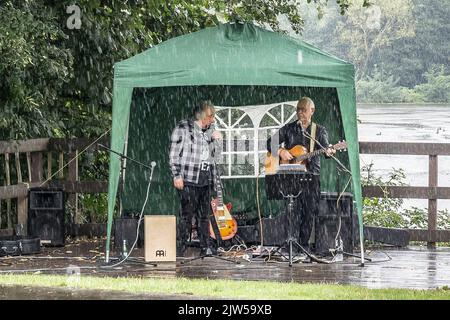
[
  {"x": 225, "y": 222},
  {"x": 300, "y": 154}
]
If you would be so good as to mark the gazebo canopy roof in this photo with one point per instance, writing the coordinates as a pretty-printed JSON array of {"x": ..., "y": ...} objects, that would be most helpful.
[{"x": 234, "y": 54}]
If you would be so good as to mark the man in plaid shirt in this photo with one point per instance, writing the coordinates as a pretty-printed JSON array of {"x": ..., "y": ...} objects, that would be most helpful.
[{"x": 195, "y": 147}]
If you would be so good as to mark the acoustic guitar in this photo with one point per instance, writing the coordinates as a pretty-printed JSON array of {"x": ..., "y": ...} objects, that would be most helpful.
[
  {"x": 225, "y": 222},
  {"x": 300, "y": 154}
]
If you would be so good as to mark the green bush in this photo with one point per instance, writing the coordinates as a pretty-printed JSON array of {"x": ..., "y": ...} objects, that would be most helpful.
[
  {"x": 382, "y": 212},
  {"x": 386, "y": 212},
  {"x": 380, "y": 88},
  {"x": 437, "y": 87}
]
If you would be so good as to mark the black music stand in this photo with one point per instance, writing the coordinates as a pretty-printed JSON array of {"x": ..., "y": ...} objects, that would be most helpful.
[{"x": 289, "y": 185}]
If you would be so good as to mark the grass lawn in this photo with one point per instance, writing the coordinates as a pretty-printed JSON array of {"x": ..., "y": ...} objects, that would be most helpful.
[{"x": 223, "y": 288}]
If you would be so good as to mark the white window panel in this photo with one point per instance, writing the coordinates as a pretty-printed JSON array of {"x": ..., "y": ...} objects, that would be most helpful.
[{"x": 245, "y": 131}]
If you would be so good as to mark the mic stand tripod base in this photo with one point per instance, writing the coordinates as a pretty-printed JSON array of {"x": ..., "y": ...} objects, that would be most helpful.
[
  {"x": 355, "y": 255},
  {"x": 290, "y": 244}
]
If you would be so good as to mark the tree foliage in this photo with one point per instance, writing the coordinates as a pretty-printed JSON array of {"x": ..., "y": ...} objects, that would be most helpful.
[
  {"x": 33, "y": 70},
  {"x": 397, "y": 47},
  {"x": 57, "y": 81}
]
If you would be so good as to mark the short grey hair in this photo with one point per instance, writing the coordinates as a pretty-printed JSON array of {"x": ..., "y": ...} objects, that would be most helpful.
[
  {"x": 200, "y": 110},
  {"x": 305, "y": 101}
]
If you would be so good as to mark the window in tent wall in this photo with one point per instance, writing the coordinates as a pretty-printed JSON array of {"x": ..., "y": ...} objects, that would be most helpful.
[{"x": 245, "y": 131}]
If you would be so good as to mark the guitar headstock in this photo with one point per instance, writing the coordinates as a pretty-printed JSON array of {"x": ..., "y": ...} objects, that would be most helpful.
[{"x": 341, "y": 145}]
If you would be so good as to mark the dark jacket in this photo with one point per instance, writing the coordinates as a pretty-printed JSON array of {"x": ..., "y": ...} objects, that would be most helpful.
[{"x": 291, "y": 135}]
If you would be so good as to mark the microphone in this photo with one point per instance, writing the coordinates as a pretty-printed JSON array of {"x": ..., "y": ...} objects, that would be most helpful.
[{"x": 153, "y": 165}]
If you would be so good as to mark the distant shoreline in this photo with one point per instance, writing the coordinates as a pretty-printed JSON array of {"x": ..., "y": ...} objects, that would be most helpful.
[{"x": 403, "y": 104}]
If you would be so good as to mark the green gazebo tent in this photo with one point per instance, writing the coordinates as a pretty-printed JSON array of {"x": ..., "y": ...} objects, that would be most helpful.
[{"x": 233, "y": 65}]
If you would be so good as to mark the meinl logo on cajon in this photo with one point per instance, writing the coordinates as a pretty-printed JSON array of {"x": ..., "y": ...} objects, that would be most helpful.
[
  {"x": 160, "y": 238},
  {"x": 160, "y": 253}
]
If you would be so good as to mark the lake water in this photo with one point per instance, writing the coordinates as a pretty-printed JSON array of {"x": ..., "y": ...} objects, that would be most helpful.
[{"x": 407, "y": 123}]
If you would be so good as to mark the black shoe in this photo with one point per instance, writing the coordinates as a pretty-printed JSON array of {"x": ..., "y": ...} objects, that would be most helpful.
[{"x": 206, "y": 252}]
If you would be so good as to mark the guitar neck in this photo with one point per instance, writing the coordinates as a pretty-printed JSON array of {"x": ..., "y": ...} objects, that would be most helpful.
[
  {"x": 219, "y": 198},
  {"x": 219, "y": 192}
]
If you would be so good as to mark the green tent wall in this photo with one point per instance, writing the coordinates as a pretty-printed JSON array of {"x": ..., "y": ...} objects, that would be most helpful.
[{"x": 234, "y": 64}]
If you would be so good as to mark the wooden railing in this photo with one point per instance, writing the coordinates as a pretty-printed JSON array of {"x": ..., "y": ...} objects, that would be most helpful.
[
  {"x": 35, "y": 151},
  {"x": 433, "y": 192}
]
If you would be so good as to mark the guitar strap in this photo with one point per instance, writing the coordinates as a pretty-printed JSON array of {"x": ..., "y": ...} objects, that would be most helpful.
[{"x": 313, "y": 135}]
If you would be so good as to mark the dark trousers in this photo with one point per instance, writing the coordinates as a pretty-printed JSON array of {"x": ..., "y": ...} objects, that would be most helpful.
[
  {"x": 306, "y": 207},
  {"x": 195, "y": 202}
]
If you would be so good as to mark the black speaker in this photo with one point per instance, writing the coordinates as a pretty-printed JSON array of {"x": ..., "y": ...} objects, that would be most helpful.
[
  {"x": 249, "y": 234},
  {"x": 46, "y": 216},
  {"x": 331, "y": 219},
  {"x": 125, "y": 229},
  {"x": 274, "y": 230}
]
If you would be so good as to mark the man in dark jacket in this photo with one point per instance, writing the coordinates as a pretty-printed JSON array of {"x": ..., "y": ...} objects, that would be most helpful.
[{"x": 302, "y": 132}]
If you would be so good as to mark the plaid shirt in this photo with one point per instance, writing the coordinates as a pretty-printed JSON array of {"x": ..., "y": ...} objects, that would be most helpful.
[{"x": 186, "y": 150}]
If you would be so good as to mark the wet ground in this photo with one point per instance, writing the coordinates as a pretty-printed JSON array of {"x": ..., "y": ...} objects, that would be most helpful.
[{"x": 413, "y": 267}]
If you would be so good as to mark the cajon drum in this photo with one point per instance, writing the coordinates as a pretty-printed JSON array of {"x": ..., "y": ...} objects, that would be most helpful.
[{"x": 160, "y": 238}]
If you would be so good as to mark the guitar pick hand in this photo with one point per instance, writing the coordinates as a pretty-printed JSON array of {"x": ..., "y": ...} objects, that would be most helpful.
[{"x": 285, "y": 155}]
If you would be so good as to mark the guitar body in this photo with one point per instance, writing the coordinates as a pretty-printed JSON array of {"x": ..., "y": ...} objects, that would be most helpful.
[
  {"x": 225, "y": 222},
  {"x": 300, "y": 154},
  {"x": 271, "y": 163},
  {"x": 296, "y": 151}
]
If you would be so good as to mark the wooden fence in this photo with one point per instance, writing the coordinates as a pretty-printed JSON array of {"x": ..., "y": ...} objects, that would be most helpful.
[
  {"x": 36, "y": 150},
  {"x": 433, "y": 192}
]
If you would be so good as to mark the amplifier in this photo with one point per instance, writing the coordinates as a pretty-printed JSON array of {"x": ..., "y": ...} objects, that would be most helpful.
[
  {"x": 274, "y": 230},
  {"x": 125, "y": 229},
  {"x": 326, "y": 224},
  {"x": 326, "y": 228},
  {"x": 249, "y": 234}
]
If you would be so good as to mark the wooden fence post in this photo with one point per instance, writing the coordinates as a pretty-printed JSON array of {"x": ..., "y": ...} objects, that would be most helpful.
[
  {"x": 22, "y": 202},
  {"x": 432, "y": 202},
  {"x": 36, "y": 167},
  {"x": 49, "y": 164},
  {"x": 7, "y": 183},
  {"x": 29, "y": 166},
  {"x": 61, "y": 165},
  {"x": 72, "y": 199}
]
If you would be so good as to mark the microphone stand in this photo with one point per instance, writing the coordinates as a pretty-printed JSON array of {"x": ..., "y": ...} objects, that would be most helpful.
[
  {"x": 128, "y": 158},
  {"x": 151, "y": 168}
]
